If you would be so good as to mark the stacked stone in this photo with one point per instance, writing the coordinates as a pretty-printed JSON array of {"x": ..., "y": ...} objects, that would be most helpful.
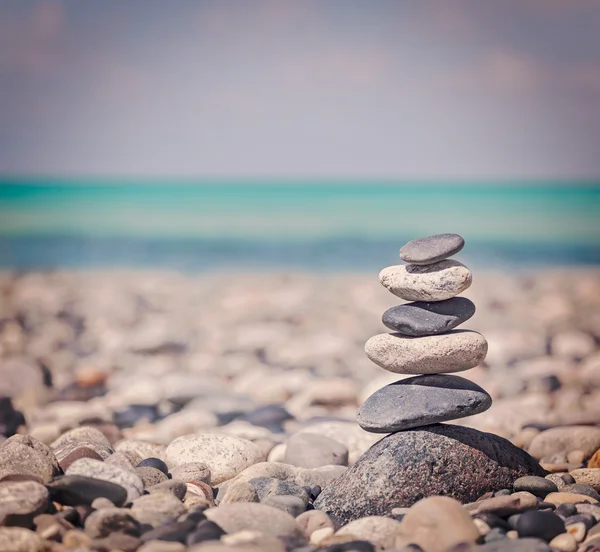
[{"x": 425, "y": 343}]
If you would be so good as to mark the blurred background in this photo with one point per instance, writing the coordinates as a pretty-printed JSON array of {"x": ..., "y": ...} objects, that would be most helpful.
[{"x": 205, "y": 191}]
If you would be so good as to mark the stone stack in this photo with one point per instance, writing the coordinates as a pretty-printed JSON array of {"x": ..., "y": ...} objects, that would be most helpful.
[{"x": 425, "y": 343}]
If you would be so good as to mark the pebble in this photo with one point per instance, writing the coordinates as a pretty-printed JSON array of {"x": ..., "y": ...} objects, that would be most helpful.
[
  {"x": 504, "y": 505},
  {"x": 156, "y": 509},
  {"x": 561, "y": 480},
  {"x": 269, "y": 486},
  {"x": 162, "y": 546},
  {"x": 564, "y": 542},
  {"x": 191, "y": 471},
  {"x": 433, "y": 282},
  {"x": 518, "y": 545},
  {"x": 380, "y": 531},
  {"x": 37, "y": 445},
  {"x": 422, "y": 318},
  {"x": 77, "y": 454},
  {"x": 308, "y": 450},
  {"x": 538, "y": 486},
  {"x": 116, "y": 541},
  {"x": 101, "y": 502},
  {"x": 76, "y": 490},
  {"x": 16, "y": 458},
  {"x": 420, "y": 401},
  {"x": 242, "y": 491},
  {"x": 225, "y": 456},
  {"x": 454, "y": 351},
  {"x": 395, "y": 471},
  {"x": 205, "y": 531},
  {"x": 561, "y": 440},
  {"x": 436, "y": 524},
  {"x": 103, "y": 522},
  {"x": 318, "y": 476},
  {"x": 248, "y": 515},
  {"x": 150, "y": 476},
  {"x": 10, "y": 419},
  {"x": 313, "y": 520},
  {"x": 156, "y": 463},
  {"x": 69, "y": 447},
  {"x": 21, "y": 501},
  {"x": 577, "y": 529},
  {"x": 587, "y": 476},
  {"x": 431, "y": 249},
  {"x": 137, "y": 451},
  {"x": 567, "y": 497},
  {"x": 18, "y": 539},
  {"x": 96, "y": 469},
  {"x": 542, "y": 525}
]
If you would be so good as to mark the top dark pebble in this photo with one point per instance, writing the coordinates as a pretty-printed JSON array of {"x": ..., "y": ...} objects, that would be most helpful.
[{"x": 432, "y": 249}]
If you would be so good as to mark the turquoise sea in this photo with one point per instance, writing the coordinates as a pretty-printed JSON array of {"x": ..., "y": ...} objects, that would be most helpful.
[{"x": 307, "y": 225}]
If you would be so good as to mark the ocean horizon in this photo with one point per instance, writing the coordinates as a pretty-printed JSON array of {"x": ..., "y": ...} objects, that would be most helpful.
[{"x": 254, "y": 224}]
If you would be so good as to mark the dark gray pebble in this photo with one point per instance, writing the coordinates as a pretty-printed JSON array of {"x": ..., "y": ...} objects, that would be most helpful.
[
  {"x": 10, "y": 419},
  {"x": 171, "y": 532},
  {"x": 581, "y": 488},
  {"x": 205, "y": 530},
  {"x": 428, "y": 318},
  {"x": 587, "y": 519},
  {"x": 495, "y": 534},
  {"x": 134, "y": 413},
  {"x": 431, "y": 249},
  {"x": 566, "y": 510},
  {"x": 421, "y": 401},
  {"x": 270, "y": 416},
  {"x": 542, "y": 525},
  {"x": 154, "y": 463},
  {"x": 76, "y": 490},
  {"x": 539, "y": 486},
  {"x": 353, "y": 546}
]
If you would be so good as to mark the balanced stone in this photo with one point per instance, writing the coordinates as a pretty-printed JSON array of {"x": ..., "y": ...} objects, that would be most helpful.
[
  {"x": 454, "y": 351},
  {"x": 428, "y": 318},
  {"x": 431, "y": 249},
  {"x": 433, "y": 282},
  {"x": 440, "y": 459},
  {"x": 420, "y": 401}
]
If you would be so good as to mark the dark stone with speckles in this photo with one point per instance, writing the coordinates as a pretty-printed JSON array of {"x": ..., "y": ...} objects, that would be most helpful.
[
  {"x": 440, "y": 459},
  {"x": 428, "y": 317},
  {"x": 421, "y": 401}
]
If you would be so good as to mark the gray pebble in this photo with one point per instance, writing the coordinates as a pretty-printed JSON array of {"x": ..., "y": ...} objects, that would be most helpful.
[
  {"x": 421, "y": 401},
  {"x": 287, "y": 503},
  {"x": 150, "y": 476},
  {"x": 428, "y": 318},
  {"x": 431, "y": 249},
  {"x": 309, "y": 450}
]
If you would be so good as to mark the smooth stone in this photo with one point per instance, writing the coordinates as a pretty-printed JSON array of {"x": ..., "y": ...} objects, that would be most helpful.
[
  {"x": 67, "y": 448},
  {"x": 129, "y": 480},
  {"x": 454, "y": 351},
  {"x": 309, "y": 450},
  {"x": 542, "y": 525},
  {"x": 505, "y": 505},
  {"x": 289, "y": 504},
  {"x": 564, "y": 542},
  {"x": 318, "y": 476},
  {"x": 18, "y": 539},
  {"x": 156, "y": 463},
  {"x": 21, "y": 501},
  {"x": 589, "y": 509},
  {"x": 436, "y": 524},
  {"x": 577, "y": 529},
  {"x": 242, "y": 491},
  {"x": 538, "y": 486},
  {"x": 20, "y": 459},
  {"x": 225, "y": 456},
  {"x": 156, "y": 509},
  {"x": 270, "y": 416},
  {"x": 588, "y": 520},
  {"x": 517, "y": 545},
  {"x": 433, "y": 282},
  {"x": 561, "y": 480},
  {"x": 241, "y": 516},
  {"x": 102, "y": 523},
  {"x": 134, "y": 414},
  {"x": 191, "y": 471},
  {"x": 568, "y": 498},
  {"x": 587, "y": 476},
  {"x": 176, "y": 531},
  {"x": 559, "y": 441},
  {"x": 404, "y": 467},
  {"x": 101, "y": 502},
  {"x": 116, "y": 541},
  {"x": 120, "y": 460},
  {"x": 421, "y": 401},
  {"x": 428, "y": 318},
  {"x": 150, "y": 476},
  {"x": 76, "y": 490},
  {"x": 431, "y": 249},
  {"x": 380, "y": 531},
  {"x": 162, "y": 546},
  {"x": 313, "y": 520}
]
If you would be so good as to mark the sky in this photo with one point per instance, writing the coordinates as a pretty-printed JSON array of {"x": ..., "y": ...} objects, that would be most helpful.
[{"x": 471, "y": 89}]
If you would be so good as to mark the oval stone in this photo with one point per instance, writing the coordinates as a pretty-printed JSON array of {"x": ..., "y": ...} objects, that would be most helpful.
[
  {"x": 431, "y": 249},
  {"x": 420, "y": 401},
  {"x": 454, "y": 351},
  {"x": 428, "y": 318},
  {"x": 433, "y": 282},
  {"x": 440, "y": 459}
]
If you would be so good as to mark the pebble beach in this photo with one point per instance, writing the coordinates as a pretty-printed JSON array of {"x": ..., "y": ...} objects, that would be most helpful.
[{"x": 161, "y": 411}]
